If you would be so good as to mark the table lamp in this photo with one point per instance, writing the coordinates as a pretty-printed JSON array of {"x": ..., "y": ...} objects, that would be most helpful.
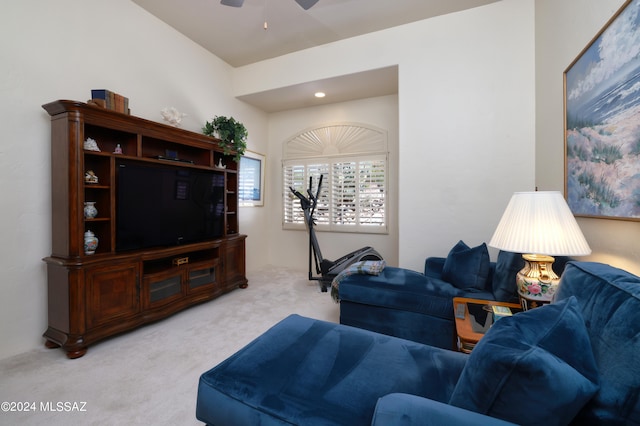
[{"x": 539, "y": 225}]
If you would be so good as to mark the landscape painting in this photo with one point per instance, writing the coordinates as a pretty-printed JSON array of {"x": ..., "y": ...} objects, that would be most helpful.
[{"x": 602, "y": 121}]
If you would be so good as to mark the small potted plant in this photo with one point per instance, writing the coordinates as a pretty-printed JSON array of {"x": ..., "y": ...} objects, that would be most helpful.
[{"x": 232, "y": 134}]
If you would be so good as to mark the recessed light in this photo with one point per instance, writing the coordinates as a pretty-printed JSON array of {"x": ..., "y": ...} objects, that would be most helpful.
[{"x": 320, "y": 95}]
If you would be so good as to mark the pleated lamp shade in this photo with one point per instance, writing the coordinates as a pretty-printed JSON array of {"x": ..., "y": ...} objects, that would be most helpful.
[{"x": 539, "y": 223}]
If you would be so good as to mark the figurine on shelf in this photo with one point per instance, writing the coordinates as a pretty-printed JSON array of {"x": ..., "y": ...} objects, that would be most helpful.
[
  {"x": 91, "y": 145},
  {"x": 220, "y": 165},
  {"x": 172, "y": 116},
  {"x": 90, "y": 177},
  {"x": 118, "y": 149}
]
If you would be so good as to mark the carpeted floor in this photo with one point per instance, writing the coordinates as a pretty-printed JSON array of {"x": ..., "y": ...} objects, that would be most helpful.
[{"x": 150, "y": 375}]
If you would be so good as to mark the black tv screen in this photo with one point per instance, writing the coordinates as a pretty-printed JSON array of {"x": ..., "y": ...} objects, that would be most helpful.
[{"x": 166, "y": 205}]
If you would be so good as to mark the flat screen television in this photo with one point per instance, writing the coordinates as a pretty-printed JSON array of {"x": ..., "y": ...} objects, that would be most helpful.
[{"x": 166, "y": 205}]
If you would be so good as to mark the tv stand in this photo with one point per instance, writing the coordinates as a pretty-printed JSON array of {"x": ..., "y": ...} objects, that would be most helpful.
[{"x": 95, "y": 296}]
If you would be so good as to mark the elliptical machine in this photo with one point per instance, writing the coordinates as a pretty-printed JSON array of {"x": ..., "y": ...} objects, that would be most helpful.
[{"x": 326, "y": 270}]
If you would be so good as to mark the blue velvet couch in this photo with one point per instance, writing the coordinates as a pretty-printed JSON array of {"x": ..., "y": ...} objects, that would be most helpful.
[
  {"x": 573, "y": 361},
  {"x": 419, "y": 306}
]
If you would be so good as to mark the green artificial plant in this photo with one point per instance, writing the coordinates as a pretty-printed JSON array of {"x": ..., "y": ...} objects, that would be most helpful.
[{"x": 232, "y": 134}]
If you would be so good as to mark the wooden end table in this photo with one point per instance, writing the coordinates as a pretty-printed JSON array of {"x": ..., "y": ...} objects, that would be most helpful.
[{"x": 477, "y": 320}]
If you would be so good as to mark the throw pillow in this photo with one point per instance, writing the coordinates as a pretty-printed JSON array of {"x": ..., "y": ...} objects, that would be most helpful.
[
  {"x": 504, "y": 278},
  {"x": 467, "y": 268},
  {"x": 534, "y": 368}
]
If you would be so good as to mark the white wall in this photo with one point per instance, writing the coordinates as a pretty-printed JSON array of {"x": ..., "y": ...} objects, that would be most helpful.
[
  {"x": 61, "y": 50},
  {"x": 466, "y": 112},
  {"x": 563, "y": 29},
  {"x": 290, "y": 248},
  {"x": 466, "y": 126}
]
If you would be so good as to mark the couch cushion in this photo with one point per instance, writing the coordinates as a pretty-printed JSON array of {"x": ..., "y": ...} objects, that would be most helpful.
[
  {"x": 467, "y": 268},
  {"x": 402, "y": 289},
  {"x": 535, "y": 367},
  {"x": 609, "y": 299},
  {"x": 309, "y": 372}
]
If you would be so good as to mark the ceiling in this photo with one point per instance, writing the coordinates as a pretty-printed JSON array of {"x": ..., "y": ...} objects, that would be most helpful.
[{"x": 238, "y": 37}]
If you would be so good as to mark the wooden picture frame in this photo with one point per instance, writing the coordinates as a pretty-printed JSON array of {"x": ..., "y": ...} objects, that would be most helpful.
[
  {"x": 251, "y": 180},
  {"x": 602, "y": 121}
]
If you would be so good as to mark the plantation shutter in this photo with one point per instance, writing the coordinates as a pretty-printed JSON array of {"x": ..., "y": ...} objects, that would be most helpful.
[
  {"x": 352, "y": 197},
  {"x": 353, "y": 162},
  {"x": 372, "y": 197}
]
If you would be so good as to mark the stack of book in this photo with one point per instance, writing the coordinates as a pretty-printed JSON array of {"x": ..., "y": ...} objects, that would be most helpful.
[{"x": 110, "y": 100}]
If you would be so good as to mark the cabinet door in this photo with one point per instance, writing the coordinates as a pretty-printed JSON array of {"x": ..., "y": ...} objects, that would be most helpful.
[
  {"x": 202, "y": 277},
  {"x": 112, "y": 293},
  {"x": 233, "y": 268},
  {"x": 162, "y": 288}
]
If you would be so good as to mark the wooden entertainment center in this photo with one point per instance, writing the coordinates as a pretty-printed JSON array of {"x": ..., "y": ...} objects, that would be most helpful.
[{"x": 94, "y": 296}]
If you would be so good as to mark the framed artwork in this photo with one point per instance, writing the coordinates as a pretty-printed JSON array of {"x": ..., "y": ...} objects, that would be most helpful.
[
  {"x": 602, "y": 121},
  {"x": 251, "y": 179}
]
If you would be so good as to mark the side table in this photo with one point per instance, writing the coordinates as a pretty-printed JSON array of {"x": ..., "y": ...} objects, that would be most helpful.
[{"x": 477, "y": 320}]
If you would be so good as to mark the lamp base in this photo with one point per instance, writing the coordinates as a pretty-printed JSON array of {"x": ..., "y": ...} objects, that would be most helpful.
[{"x": 536, "y": 282}]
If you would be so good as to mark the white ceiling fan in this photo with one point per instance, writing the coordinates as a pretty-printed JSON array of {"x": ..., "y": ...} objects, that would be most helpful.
[{"x": 305, "y": 4}]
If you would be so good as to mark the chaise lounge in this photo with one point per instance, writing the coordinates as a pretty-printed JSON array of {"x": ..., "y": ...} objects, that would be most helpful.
[
  {"x": 571, "y": 361},
  {"x": 419, "y": 307}
]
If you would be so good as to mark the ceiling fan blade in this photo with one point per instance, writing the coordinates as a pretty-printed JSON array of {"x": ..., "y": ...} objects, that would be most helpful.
[
  {"x": 233, "y": 3},
  {"x": 306, "y": 4}
]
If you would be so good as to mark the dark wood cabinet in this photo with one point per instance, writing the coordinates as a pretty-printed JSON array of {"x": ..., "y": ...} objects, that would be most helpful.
[
  {"x": 112, "y": 293},
  {"x": 94, "y": 296},
  {"x": 233, "y": 266}
]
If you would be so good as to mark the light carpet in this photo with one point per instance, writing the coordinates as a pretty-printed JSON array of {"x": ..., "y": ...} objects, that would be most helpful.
[{"x": 150, "y": 375}]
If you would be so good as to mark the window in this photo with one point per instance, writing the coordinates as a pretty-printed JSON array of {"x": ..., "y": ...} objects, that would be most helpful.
[
  {"x": 251, "y": 179},
  {"x": 353, "y": 196}
]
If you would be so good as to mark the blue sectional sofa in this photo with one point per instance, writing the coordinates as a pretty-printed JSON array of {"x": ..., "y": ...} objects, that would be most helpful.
[
  {"x": 419, "y": 307},
  {"x": 574, "y": 360}
]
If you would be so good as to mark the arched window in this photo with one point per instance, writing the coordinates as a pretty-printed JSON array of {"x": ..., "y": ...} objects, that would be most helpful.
[{"x": 353, "y": 161}]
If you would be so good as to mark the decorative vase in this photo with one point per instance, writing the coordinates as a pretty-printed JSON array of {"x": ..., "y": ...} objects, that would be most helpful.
[
  {"x": 90, "y": 242},
  {"x": 90, "y": 210},
  {"x": 536, "y": 282}
]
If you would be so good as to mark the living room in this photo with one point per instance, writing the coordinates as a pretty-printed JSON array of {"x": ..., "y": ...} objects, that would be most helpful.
[{"x": 477, "y": 90}]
